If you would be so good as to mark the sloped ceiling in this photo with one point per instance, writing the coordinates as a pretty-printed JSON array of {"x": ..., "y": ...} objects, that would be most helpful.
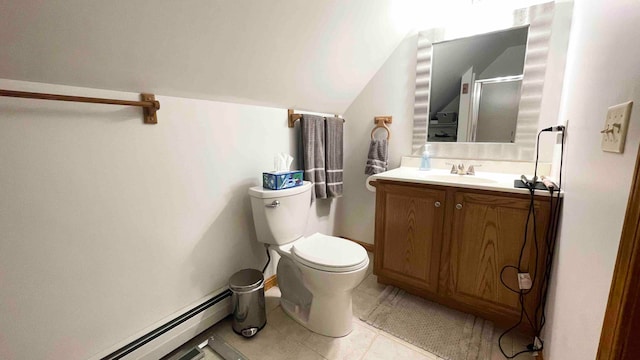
[{"x": 314, "y": 55}]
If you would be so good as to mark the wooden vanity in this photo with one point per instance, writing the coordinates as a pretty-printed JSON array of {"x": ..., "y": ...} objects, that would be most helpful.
[{"x": 449, "y": 244}]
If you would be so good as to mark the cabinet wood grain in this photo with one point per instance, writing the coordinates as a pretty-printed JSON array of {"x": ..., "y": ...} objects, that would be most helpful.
[
  {"x": 487, "y": 235},
  {"x": 450, "y": 245},
  {"x": 410, "y": 222}
]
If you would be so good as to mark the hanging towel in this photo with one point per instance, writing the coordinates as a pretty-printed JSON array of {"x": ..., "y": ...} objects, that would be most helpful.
[
  {"x": 377, "y": 158},
  {"x": 333, "y": 151},
  {"x": 313, "y": 158}
]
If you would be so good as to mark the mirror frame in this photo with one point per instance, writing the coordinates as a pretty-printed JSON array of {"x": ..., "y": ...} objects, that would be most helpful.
[{"x": 539, "y": 18}]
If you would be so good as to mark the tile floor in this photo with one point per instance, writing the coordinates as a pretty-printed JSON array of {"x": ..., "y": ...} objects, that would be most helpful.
[{"x": 284, "y": 339}]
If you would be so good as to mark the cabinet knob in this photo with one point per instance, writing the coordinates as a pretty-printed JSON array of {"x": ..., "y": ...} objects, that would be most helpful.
[
  {"x": 437, "y": 204},
  {"x": 458, "y": 206}
]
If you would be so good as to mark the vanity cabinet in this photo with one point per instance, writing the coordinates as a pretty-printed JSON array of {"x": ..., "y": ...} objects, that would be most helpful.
[{"x": 450, "y": 244}]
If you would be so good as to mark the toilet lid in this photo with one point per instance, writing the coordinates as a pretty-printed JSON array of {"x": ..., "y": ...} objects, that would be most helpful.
[{"x": 329, "y": 253}]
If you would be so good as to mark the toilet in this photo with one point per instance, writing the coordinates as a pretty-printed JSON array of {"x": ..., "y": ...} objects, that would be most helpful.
[{"x": 316, "y": 274}]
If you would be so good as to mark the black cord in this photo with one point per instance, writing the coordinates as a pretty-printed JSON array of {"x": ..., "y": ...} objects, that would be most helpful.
[
  {"x": 535, "y": 168},
  {"x": 551, "y": 241},
  {"x": 521, "y": 293},
  {"x": 268, "y": 259},
  {"x": 550, "y": 237}
]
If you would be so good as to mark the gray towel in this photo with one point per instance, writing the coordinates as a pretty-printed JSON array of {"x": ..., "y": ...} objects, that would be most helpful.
[
  {"x": 377, "y": 158},
  {"x": 333, "y": 151},
  {"x": 312, "y": 128}
]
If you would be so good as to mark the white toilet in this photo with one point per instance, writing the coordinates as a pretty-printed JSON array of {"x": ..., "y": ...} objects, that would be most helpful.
[{"x": 316, "y": 274}]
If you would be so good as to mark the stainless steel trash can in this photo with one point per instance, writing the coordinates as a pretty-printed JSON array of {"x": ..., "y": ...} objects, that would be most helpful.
[{"x": 247, "y": 297}]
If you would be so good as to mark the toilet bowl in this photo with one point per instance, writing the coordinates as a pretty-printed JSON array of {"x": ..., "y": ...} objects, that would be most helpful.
[
  {"x": 316, "y": 274},
  {"x": 329, "y": 276}
]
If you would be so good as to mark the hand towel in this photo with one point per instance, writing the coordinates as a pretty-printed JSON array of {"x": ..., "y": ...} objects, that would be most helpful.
[
  {"x": 333, "y": 152},
  {"x": 313, "y": 158},
  {"x": 377, "y": 157}
]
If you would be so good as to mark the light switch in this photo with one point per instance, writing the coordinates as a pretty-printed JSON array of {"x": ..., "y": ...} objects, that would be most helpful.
[{"x": 615, "y": 127}]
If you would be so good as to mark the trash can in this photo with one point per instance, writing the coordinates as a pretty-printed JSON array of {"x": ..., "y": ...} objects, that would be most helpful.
[{"x": 247, "y": 298}]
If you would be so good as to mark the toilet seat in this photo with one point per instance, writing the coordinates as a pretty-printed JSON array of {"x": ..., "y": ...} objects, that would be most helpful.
[{"x": 329, "y": 253}]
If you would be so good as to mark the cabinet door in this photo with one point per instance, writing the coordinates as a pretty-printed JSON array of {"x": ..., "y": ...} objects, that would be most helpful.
[
  {"x": 487, "y": 234},
  {"x": 408, "y": 239}
]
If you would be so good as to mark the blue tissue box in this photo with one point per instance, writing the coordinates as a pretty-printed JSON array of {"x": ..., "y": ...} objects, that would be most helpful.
[{"x": 281, "y": 180}]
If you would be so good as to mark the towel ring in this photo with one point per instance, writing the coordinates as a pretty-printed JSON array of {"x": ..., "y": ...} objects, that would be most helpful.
[
  {"x": 381, "y": 122},
  {"x": 381, "y": 127}
]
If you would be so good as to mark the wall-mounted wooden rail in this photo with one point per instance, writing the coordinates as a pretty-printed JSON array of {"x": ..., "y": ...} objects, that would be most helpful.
[
  {"x": 292, "y": 117},
  {"x": 148, "y": 102}
]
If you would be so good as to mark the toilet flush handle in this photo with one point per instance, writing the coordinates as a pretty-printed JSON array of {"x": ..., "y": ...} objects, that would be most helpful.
[{"x": 274, "y": 204}]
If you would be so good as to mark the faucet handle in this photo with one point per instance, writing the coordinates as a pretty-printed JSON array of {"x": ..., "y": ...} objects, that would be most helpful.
[
  {"x": 471, "y": 169},
  {"x": 454, "y": 170}
]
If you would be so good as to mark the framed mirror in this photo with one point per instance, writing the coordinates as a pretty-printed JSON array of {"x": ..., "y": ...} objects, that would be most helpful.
[{"x": 484, "y": 126}]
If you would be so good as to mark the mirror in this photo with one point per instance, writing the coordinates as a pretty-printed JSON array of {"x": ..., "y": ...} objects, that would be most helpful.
[
  {"x": 547, "y": 27},
  {"x": 475, "y": 87}
]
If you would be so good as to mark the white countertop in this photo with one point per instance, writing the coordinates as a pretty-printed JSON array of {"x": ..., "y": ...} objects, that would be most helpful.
[{"x": 481, "y": 180}]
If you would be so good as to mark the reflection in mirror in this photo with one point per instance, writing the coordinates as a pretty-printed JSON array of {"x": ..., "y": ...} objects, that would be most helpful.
[
  {"x": 495, "y": 109},
  {"x": 476, "y": 84}
]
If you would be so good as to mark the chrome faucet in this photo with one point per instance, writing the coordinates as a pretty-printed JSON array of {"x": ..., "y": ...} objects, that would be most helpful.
[{"x": 459, "y": 169}]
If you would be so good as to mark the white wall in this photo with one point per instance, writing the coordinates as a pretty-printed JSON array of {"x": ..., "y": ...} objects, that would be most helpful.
[
  {"x": 510, "y": 62},
  {"x": 390, "y": 92},
  {"x": 453, "y": 105},
  {"x": 602, "y": 70},
  {"x": 108, "y": 225}
]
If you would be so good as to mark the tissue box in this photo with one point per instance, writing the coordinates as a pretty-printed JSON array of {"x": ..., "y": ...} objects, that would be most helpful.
[{"x": 281, "y": 180}]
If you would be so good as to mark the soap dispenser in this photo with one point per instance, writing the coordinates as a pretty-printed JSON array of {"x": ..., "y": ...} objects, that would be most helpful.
[{"x": 425, "y": 161}]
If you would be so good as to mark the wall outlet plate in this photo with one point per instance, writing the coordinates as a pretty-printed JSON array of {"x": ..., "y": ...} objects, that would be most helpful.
[
  {"x": 615, "y": 128},
  {"x": 524, "y": 281}
]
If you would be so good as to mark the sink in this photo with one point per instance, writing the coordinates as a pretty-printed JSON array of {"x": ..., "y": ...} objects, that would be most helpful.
[
  {"x": 443, "y": 177},
  {"x": 463, "y": 179}
]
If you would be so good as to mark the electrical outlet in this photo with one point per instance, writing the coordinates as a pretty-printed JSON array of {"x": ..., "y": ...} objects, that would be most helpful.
[
  {"x": 562, "y": 135},
  {"x": 524, "y": 281},
  {"x": 615, "y": 127}
]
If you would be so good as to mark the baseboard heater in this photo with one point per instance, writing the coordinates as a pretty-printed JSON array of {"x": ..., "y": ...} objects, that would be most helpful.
[{"x": 153, "y": 334}]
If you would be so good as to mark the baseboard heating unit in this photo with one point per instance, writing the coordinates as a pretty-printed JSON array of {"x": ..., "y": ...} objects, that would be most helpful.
[{"x": 160, "y": 341}]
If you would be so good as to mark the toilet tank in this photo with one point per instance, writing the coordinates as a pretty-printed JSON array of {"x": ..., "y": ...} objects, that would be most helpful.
[{"x": 280, "y": 216}]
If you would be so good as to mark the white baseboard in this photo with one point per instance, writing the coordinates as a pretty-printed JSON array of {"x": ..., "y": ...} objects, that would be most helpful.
[{"x": 172, "y": 339}]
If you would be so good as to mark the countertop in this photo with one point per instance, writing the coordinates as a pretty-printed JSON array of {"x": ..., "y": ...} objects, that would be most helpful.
[{"x": 481, "y": 180}]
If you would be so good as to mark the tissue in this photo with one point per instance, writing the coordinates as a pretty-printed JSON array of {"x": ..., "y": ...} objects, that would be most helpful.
[
  {"x": 282, "y": 162},
  {"x": 281, "y": 177}
]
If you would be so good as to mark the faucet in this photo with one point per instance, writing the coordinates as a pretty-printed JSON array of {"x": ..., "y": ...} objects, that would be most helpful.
[{"x": 459, "y": 169}]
